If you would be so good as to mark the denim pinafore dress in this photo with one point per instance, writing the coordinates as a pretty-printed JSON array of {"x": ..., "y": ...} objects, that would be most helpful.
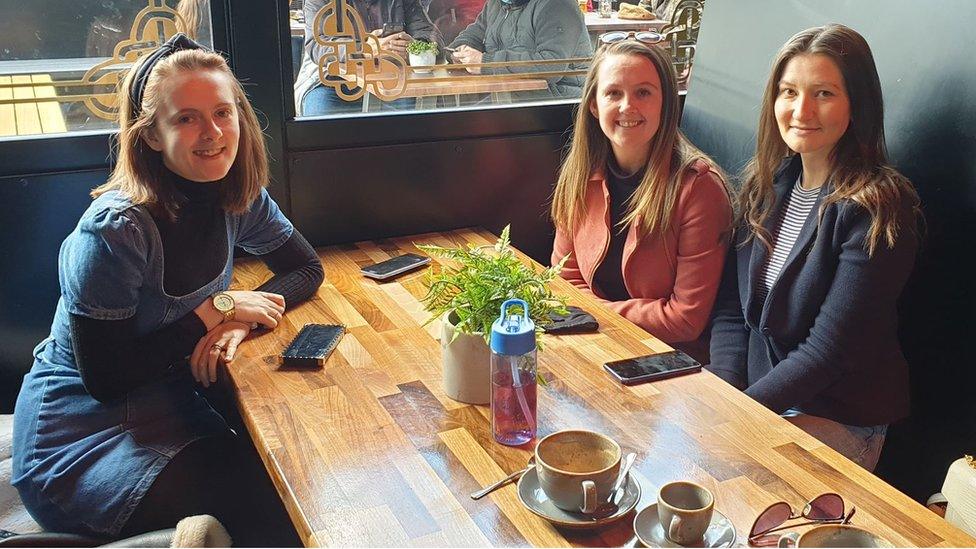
[{"x": 81, "y": 465}]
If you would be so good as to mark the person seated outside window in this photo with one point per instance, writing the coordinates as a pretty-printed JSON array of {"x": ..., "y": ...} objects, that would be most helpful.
[
  {"x": 314, "y": 98},
  {"x": 527, "y": 30}
]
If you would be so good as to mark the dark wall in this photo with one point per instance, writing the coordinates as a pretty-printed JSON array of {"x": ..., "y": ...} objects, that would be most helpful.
[
  {"x": 38, "y": 212},
  {"x": 926, "y": 58},
  {"x": 345, "y": 195}
]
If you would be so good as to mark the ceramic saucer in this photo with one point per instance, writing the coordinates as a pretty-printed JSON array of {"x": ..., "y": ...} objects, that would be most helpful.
[
  {"x": 648, "y": 528},
  {"x": 535, "y": 500}
]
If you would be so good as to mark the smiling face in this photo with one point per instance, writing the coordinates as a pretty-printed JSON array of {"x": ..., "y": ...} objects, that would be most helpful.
[
  {"x": 812, "y": 108},
  {"x": 196, "y": 128},
  {"x": 628, "y": 106}
]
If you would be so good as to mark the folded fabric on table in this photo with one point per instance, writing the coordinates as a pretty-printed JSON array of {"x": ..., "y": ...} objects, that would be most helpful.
[{"x": 577, "y": 321}]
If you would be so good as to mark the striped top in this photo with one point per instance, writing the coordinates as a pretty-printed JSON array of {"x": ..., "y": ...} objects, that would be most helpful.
[{"x": 792, "y": 217}]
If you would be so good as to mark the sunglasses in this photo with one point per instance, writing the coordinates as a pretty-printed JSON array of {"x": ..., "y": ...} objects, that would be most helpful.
[
  {"x": 647, "y": 37},
  {"x": 824, "y": 508}
]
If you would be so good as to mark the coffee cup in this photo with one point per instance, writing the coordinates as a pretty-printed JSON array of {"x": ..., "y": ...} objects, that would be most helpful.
[
  {"x": 577, "y": 469},
  {"x": 833, "y": 535},
  {"x": 685, "y": 511}
]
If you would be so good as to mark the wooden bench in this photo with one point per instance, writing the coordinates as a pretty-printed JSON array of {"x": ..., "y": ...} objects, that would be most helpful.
[{"x": 19, "y": 115}]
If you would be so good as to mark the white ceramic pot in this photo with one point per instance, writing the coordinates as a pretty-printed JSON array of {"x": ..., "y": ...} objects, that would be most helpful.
[
  {"x": 426, "y": 58},
  {"x": 467, "y": 365}
]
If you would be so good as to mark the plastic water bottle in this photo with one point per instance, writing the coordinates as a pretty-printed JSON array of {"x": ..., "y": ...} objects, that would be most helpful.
[{"x": 513, "y": 376}]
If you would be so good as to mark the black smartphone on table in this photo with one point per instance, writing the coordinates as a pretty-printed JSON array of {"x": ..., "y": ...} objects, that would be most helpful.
[
  {"x": 642, "y": 369},
  {"x": 312, "y": 346},
  {"x": 394, "y": 266},
  {"x": 390, "y": 28}
]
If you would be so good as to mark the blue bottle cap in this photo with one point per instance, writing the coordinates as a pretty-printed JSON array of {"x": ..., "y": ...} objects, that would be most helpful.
[{"x": 513, "y": 334}]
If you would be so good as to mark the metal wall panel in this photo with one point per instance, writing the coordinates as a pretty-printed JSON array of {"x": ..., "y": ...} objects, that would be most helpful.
[
  {"x": 345, "y": 195},
  {"x": 38, "y": 212}
]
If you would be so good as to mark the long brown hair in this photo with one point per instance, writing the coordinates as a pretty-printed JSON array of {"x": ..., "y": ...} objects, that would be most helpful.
[
  {"x": 138, "y": 172},
  {"x": 653, "y": 202},
  {"x": 859, "y": 162}
]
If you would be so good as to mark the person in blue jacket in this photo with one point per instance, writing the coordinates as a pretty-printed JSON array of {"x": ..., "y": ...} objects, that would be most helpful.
[
  {"x": 826, "y": 237},
  {"x": 111, "y": 435}
]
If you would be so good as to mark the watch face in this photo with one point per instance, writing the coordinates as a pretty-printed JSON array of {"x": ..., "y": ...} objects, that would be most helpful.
[{"x": 223, "y": 302}]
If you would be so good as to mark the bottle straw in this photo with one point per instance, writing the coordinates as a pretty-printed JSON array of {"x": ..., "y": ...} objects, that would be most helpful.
[{"x": 516, "y": 383}]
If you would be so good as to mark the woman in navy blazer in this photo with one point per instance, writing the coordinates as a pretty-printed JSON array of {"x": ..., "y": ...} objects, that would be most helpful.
[{"x": 827, "y": 232}]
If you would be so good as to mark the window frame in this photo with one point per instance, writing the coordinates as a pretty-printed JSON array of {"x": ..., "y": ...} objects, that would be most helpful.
[
  {"x": 320, "y": 133},
  {"x": 261, "y": 58}
]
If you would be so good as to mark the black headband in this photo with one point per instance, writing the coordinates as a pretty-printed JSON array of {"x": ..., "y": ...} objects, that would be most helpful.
[{"x": 178, "y": 42}]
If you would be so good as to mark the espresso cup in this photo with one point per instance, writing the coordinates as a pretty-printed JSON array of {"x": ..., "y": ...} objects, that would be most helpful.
[
  {"x": 577, "y": 469},
  {"x": 833, "y": 535},
  {"x": 685, "y": 511}
]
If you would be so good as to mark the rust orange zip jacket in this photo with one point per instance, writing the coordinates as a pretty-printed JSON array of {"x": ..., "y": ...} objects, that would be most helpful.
[{"x": 672, "y": 280}]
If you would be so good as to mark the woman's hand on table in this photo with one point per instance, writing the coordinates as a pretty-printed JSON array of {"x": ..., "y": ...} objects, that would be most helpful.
[
  {"x": 218, "y": 346},
  {"x": 467, "y": 55},
  {"x": 254, "y": 307}
]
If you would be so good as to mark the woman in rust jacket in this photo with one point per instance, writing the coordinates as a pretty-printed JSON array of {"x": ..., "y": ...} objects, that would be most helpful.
[{"x": 642, "y": 213}]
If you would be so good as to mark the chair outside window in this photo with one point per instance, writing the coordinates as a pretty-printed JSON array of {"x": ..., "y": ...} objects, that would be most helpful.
[{"x": 683, "y": 35}]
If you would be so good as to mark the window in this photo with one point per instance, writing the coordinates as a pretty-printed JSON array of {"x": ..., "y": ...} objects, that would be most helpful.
[
  {"x": 358, "y": 56},
  {"x": 60, "y": 61}
]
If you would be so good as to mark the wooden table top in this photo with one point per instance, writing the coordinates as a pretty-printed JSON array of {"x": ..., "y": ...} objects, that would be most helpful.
[
  {"x": 595, "y": 23},
  {"x": 420, "y": 85},
  {"x": 19, "y": 115},
  {"x": 417, "y": 87},
  {"x": 370, "y": 452}
]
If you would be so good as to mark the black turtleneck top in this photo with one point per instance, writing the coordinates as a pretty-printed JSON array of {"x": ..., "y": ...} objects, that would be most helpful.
[
  {"x": 113, "y": 361},
  {"x": 609, "y": 276}
]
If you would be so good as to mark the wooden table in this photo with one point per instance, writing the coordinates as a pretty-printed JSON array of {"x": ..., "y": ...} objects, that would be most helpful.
[
  {"x": 29, "y": 109},
  {"x": 595, "y": 23},
  {"x": 370, "y": 452},
  {"x": 426, "y": 90},
  {"x": 296, "y": 27}
]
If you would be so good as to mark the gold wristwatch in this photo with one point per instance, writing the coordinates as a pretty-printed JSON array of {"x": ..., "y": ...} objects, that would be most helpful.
[{"x": 224, "y": 303}]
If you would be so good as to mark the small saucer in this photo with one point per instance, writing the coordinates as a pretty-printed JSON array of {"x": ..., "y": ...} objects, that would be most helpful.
[
  {"x": 535, "y": 500},
  {"x": 648, "y": 528}
]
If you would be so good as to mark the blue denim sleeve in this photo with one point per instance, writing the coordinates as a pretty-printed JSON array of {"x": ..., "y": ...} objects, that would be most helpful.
[
  {"x": 102, "y": 264},
  {"x": 264, "y": 227}
]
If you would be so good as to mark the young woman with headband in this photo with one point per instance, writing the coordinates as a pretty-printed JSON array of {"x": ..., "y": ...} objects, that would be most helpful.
[
  {"x": 826, "y": 236},
  {"x": 111, "y": 436}
]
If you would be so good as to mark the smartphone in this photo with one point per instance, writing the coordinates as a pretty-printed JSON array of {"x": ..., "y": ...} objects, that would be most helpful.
[
  {"x": 642, "y": 369},
  {"x": 390, "y": 28},
  {"x": 394, "y": 266}
]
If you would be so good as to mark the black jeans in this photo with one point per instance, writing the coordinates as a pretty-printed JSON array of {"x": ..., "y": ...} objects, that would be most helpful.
[{"x": 222, "y": 477}]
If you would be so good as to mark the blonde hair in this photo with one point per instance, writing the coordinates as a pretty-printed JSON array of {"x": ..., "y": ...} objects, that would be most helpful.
[
  {"x": 671, "y": 153},
  {"x": 138, "y": 172},
  {"x": 194, "y": 13},
  {"x": 859, "y": 162}
]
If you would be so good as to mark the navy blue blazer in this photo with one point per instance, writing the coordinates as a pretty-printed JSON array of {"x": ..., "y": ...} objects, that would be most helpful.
[{"x": 825, "y": 340}]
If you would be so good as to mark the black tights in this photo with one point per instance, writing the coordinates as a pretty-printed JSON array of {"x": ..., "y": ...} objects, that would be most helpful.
[{"x": 222, "y": 477}]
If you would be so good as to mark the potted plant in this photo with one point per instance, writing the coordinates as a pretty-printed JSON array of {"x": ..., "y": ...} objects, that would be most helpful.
[
  {"x": 422, "y": 52},
  {"x": 467, "y": 299}
]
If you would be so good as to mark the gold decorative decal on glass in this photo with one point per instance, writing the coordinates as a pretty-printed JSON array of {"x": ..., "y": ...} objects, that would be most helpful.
[
  {"x": 353, "y": 57},
  {"x": 351, "y": 61},
  {"x": 152, "y": 26},
  {"x": 56, "y": 95},
  {"x": 685, "y": 24}
]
